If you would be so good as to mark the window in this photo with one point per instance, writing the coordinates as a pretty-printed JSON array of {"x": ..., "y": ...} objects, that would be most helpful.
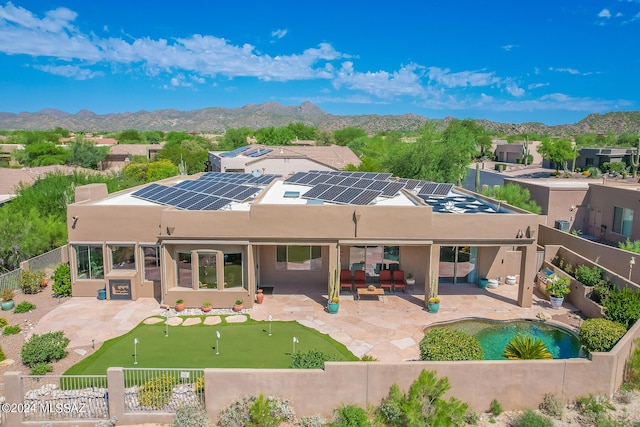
[
  {"x": 207, "y": 270},
  {"x": 298, "y": 258},
  {"x": 232, "y": 270},
  {"x": 123, "y": 257},
  {"x": 372, "y": 259},
  {"x": 151, "y": 263},
  {"x": 89, "y": 262},
  {"x": 183, "y": 268},
  {"x": 622, "y": 221}
]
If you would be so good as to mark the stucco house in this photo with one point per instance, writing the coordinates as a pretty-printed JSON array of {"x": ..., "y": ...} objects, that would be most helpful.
[{"x": 221, "y": 236}]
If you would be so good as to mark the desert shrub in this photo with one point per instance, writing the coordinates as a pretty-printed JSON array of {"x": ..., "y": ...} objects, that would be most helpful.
[
  {"x": 3, "y": 322},
  {"x": 157, "y": 391},
  {"x": 46, "y": 348},
  {"x": 552, "y": 405},
  {"x": 238, "y": 414},
  {"x": 531, "y": 419},
  {"x": 471, "y": 418},
  {"x": 41, "y": 369},
  {"x": 622, "y": 306},
  {"x": 601, "y": 291},
  {"x": 600, "y": 334},
  {"x": 350, "y": 416},
  {"x": 263, "y": 413},
  {"x": 592, "y": 406},
  {"x": 624, "y": 396},
  {"x": 30, "y": 281},
  {"x": 423, "y": 404},
  {"x": 2, "y": 356},
  {"x": 594, "y": 172},
  {"x": 191, "y": 414},
  {"x": 632, "y": 370},
  {"x": 450, "y": 344},
  {"x": 368, "y": 358},
  {"x": 11, "y": 330},
  {"x": 495, "y": 408},
  {"x": 311, "y": 421},
  {"x": 589, "y": 276},
  {"x": 199, "y": 386},
  {"x": 24, "y": 307},
  {"x": 62, "y": 281},
  {"x": 312, "y": 359},
  {"x": 631, "y": 246}
]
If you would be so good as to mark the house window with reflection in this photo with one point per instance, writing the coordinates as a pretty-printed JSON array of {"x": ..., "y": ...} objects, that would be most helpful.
[
  {"x": 89, "y": 262},
  {"x": 298, "y": 258},
  {"x": 622, "y": 221}
]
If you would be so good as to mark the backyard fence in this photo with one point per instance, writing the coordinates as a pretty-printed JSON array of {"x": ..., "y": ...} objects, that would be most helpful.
[
  {"x": 60, "y": 398},
  {"x": 152, "y": 390},
  {"x": 49, "y": 259}
]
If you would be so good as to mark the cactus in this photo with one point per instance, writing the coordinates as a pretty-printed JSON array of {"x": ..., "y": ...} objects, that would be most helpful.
[
  {"x": 477, "y": 177},
  {"x": 525, "y": 152},
  {"x": 635, "y": 160}
]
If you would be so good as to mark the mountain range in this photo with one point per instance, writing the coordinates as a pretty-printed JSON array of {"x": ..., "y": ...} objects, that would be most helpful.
[{"x": 255, "y": 116}]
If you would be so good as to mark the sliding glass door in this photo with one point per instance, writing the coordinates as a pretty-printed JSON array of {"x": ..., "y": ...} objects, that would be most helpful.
[{"x": 458, "y": 264}]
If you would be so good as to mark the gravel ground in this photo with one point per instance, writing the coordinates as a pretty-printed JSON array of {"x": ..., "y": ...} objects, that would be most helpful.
[{"x": 45, "y": 302}]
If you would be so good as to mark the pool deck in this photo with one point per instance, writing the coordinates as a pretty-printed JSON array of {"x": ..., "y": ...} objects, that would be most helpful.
[{"x": 388, "y": 329}]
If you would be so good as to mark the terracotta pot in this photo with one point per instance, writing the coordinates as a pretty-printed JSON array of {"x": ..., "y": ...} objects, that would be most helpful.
[
  {"x": 180, "y": 307},
  {"x": 238, "y": 307},
  {"x": 206, "y": 309},
  {"x": 260, "y": 296}
]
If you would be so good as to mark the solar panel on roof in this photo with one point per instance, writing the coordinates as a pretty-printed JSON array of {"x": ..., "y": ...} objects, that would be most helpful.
[
  {"x": 392, "y": 189},
  {"x": 168, "y": 195},
  {"x": 349, "y": 181},
  {"x": 225, "y": 188},
  {"x": 158, "y": 193},
  {"x": 305, "y": 180},
  {"x": 383, "y": 176},
  {"x": 189, "y": 201},
  {"x": 249, "y": 192},
  {"x": 335, "y": 179},
  {"x": 347, "y": 195},
  {"x": 320, "y": 179},
  {"x": 179, "y": 197},
  {"x": 258, "y": 152},
  {"x": 331, "y": 192},
  {"x": 218, "y": 204},
  {"x": 366, "y": 197},
  {"x": 378, "y": 185},
  {"x": 235, "y": 152},
  {"x": 411, "y": 184},
  {"x": 442, "y": 189},
  {"x": 369, "y": 175},
  {"x": 144, "y": 190},
  {"x": 362, "y": 183},
  {"x": 428, "y": 189},
  {"x": 314, "y": 192},
  {"x": 264, "y": 179},
  {"x": 296, "y": 177},
  {"x": 202, "y": 203}
]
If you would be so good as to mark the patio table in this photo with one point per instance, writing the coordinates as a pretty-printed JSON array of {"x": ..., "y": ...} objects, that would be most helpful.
[{"x": 377, "y": 291}]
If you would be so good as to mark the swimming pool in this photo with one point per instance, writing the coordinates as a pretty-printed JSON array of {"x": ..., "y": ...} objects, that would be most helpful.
[{"x": 494, "y": 335}]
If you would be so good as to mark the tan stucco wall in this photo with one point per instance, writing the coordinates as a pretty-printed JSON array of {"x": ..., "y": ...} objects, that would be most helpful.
[{"x": 603, "y": 198}]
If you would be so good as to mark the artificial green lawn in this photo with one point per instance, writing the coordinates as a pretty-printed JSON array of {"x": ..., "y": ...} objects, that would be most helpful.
[{"x": 241, "y": 345}]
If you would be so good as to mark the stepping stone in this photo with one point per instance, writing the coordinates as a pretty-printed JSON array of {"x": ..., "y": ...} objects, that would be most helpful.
[
  {"x": 80, "y": 351},
  {"x": 236, "y": 318},
  {"x": 175, "y": 321},
  {"x": 192, "y": 321},
  {"x": 152, "y": 320},
  {"x": 7, "y": 362},
  {"x": 403, "y": 343},
  {"x": 212, "y": 320}
]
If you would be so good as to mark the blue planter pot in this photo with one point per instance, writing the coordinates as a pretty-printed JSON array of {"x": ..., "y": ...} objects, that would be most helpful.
[
  {"x": 433, "y": 307},
  {"x": 7, "y": 305},
  {"x": 483, "y": 283},
  {"x": 332, "y": 307}
]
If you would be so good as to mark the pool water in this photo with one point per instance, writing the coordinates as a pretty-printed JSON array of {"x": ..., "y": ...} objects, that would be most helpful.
[{"x": 495, "y": 335}]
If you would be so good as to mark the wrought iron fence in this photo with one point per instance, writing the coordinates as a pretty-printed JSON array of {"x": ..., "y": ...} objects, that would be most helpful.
[
  {"x": 64, "y": 397},
  {"x": 152, "y": 390}
]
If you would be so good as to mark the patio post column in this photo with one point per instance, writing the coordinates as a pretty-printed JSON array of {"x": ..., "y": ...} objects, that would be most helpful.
[
  {"x": 527, "y": 274},
  {"x": 333, "y": 265}
]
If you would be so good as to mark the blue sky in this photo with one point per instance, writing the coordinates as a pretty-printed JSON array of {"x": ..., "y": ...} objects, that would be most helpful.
[{"x": 547, "y": 61}]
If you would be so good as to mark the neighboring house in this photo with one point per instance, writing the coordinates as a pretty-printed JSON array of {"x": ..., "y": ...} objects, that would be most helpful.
[
  {"x": 120, "y": 155},
  {"x": 588, "y": 157},
  {"x": 510, "y": 153},
  {"x": 604, "y": 209},
  {"x": 10, "y": 179},
  {"x": 283, "y": 160},
  {"x": 220, "y": 236},
  {"x": 97, "y": 139}
]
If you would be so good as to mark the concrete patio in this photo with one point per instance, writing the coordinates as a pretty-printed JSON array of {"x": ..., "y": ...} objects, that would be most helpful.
[{"x": 388, "y": 329}]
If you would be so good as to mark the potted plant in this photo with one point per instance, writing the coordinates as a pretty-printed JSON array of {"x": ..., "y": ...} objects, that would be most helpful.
[
  {"x": 7, "y": 299},
  {"x": 180, "y": 305},
  {"x": 259, "y": 296},
  {"x": 238, "y": 305},
  {"x": 410, "y": 280},
  {"x": 434, "y": 301},
  {"x": 333, "y": 305},
  {"x": 557, "y": 288},
  {"x": 206, "y": 306}
]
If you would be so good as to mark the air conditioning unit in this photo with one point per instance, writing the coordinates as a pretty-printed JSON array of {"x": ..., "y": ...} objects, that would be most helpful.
[{"x": 562, "y": 225}]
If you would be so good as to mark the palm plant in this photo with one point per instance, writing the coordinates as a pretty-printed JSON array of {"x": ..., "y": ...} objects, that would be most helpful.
[{"x": 526, "y": 347}]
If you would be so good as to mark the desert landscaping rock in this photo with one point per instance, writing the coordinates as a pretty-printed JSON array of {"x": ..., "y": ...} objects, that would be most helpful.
[
  {"x": 212, "y": 320},
  {"x": 192, "y": 321},
  {"x": 153, "y": 320},
  {"x": 236, "y": 318},
  {"x": 175, "y": 321}
]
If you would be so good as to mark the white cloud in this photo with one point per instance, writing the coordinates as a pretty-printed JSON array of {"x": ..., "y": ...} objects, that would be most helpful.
[
  {"x": 537, "y": 85},
  {"x": 509, "y": 47},
  {"x": 278, "y": 34},
  {"x": 514, "y": 90},
  {"x": 71, "y": 71},
  {"x": 565, "y": 70},
  {"x": 604, "y": 13},
  {"x": 405, "y": 81},
  {"x": 462, "y": 79}
]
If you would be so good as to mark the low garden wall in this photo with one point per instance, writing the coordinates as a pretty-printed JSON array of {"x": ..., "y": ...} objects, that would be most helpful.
[{"x": 515, "y": 384}]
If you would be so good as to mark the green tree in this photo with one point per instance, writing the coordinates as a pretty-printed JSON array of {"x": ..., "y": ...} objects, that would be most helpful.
[
  {"x": 275, "y": 136},
  {"x": 42, "y": 154},
  {"x": 152, "y": 136},
  {"x": 193, "y": 152},
  {"x": 324, "y": 137},
  {"x": 87, "y": 154},
  {"x": 348, "y": 134},
  {"x": 514, "y": 195},
  {"x": 234, "y": 138},
  {"x": 557, "y": 151},
  {"x": 161, "y": 169},
  {"x": 129, "y": 136},
  {"x": 302, "y": 131}
]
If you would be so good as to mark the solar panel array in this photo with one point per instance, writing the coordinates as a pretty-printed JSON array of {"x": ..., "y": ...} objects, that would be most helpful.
[
  {"x": 364, "y": 187},
  {"x": 212, "y": 191},
  {"x": 235, "y": 152}
]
